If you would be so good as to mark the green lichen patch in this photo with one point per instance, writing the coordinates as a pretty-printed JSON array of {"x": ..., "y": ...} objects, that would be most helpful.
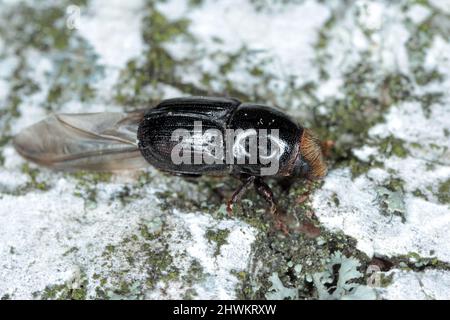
[
  {"x": 74, "y": 78},
  {"x": 74, "y": 69},
  {"x": 170, "y": 199},
  {"x": 35, "y": 182},
  {"x": 219, "y": 237},
  {"x": 368, "y": 93},
  {"x": 421, "y": 38},
  {"x": 142, "y": 81},
  {"x": 272, "y": 5},
  {"x": 138, "y": 83},
  {"x": 393, "y": 146},
  {"x": 195, "y": 274},
  {"x": 413, "y": 261},
  {"x": 205, "y": 194},
  {"x": 385, "y": 280},
  {"x": 294, "y": 258},
  {"x": 75, "y": 289},
  {"x": 351, "y": 117},
  {"x": 358, "y": 167},
  {"x": 5, "y": 297},
  {"x": 418, "y": 193},
  {"x": 87, "y": 185},
  {"x": 47, "y": 29},
  {"x": 135, "y": 266},
  {"x": 444, "y": 192},
  {"x": 21, "y": 85}
]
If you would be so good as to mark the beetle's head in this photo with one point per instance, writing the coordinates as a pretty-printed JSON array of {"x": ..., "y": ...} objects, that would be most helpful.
[{"x": 310, "y": 163}]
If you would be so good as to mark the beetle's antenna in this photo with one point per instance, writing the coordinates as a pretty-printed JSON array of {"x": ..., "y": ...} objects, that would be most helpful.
[{"x": 311, "y": 150}]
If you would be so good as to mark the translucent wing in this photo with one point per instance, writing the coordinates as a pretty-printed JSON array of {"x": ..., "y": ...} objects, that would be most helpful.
[{"x": 92, "y": 141}]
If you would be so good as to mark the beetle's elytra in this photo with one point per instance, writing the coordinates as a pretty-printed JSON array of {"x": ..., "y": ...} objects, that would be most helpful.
[{"x": 120, "y": 140}]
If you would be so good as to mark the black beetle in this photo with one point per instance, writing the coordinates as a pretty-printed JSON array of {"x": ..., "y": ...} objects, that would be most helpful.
[{"x": 129, "y": 140}]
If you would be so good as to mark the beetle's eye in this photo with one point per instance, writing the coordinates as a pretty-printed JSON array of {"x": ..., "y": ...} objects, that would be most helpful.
[
  {"x": 305, "y": 168},
  {"x": 301, "y": 168}
]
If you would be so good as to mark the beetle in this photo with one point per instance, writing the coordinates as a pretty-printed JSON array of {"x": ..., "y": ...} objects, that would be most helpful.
[{"x": 111, "y": 141}]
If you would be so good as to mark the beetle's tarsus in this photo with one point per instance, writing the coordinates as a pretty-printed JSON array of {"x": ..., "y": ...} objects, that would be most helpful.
[
  {"x": 280, "y": 225},
  {"x": 230, "y": 209},
  {"x": 305, "y": 195}
]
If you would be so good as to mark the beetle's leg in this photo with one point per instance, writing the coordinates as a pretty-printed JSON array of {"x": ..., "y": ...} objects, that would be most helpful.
[
  {"x": 264, "y": 191},
  {"x": 237, "y": 195},
  {"x": 304, "y": 196}
]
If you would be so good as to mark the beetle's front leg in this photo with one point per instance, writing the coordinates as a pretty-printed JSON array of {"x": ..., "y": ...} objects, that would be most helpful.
[
  {"x": 237, "y": 195},
  {"x": 264, "y": 191}
]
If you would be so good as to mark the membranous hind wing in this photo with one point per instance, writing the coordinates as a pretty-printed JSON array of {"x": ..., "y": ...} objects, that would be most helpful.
[{"x": 92, "y": 141}]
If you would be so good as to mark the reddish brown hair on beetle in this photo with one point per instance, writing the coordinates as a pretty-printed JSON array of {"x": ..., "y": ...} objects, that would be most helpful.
[{"x": 310, "y": 149}]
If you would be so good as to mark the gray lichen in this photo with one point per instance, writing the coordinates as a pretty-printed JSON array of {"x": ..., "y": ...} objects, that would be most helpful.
[{"x": 332, "y": 286}]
